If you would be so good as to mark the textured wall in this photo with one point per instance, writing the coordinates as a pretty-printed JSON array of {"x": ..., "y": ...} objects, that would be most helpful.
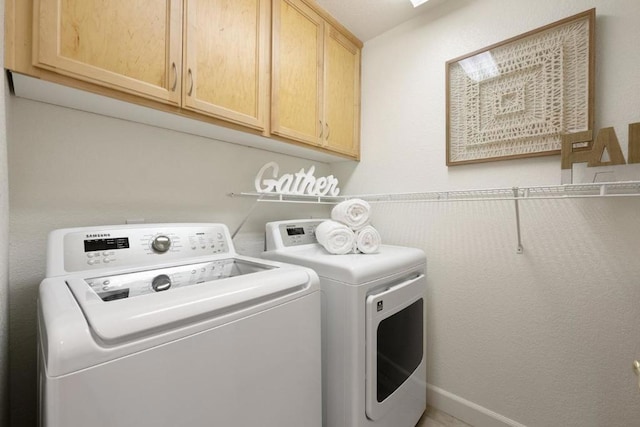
[
  {"x": 545, "y": 338},
  {"x": 69, "y": 168}
]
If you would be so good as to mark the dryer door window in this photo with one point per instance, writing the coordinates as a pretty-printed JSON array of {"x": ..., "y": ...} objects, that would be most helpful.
[
  {"x": 399, "y": 348},
  {"x": 395, "y": 345}
]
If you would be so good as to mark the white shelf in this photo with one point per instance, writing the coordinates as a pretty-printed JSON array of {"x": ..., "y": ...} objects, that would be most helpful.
[
  {"x": 294, "y": 198},
  {"x": 515, "y": 194},
  {"x": 568, "y": 191}
]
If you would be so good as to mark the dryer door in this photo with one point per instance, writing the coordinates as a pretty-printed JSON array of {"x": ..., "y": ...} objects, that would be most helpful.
[{"x": 395, "y": 347}]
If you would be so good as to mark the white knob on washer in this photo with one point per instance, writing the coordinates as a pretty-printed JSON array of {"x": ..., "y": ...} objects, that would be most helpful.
[
  {"x": 161, "y": 282},
  {"x": 161, "y": 243}
]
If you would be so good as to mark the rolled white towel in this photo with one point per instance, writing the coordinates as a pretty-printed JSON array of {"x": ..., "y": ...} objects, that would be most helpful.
[
  {"x": 353, "y": 213},
  {"x": 336, "y": 238},
  {"x": 368, "y": 240}
]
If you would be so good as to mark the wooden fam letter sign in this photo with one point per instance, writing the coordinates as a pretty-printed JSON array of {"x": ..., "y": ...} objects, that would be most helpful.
[{"x": 593, "y": 152}]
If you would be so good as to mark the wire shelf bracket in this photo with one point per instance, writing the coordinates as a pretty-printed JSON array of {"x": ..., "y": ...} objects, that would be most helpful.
[{"x": 519, "y": 248}]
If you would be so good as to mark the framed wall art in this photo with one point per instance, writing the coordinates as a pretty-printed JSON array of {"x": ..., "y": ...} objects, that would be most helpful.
[{"x": 516, "y": 98}]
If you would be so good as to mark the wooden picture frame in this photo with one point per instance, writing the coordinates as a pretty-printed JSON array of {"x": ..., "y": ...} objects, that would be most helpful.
[{"x": 516, "y": 98}]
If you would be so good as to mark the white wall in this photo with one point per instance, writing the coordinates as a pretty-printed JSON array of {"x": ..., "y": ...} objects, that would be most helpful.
[
  {"x": 4, "y": 242},
  {"x": 546, "y": 338},
  {"x": 69, "y": 168}
]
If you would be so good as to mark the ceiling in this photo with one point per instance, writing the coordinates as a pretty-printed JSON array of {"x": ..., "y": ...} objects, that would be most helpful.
[{"x": 370, "y": 18}]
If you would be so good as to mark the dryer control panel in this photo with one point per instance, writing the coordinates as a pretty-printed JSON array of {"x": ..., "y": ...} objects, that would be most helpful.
[
  {"x": 86, "y": 249},
  {"x": 282, "y": 234}
]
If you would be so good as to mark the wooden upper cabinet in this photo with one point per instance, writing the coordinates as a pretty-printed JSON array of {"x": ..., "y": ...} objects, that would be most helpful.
[
  {"x": 135, "y": 46},
  {"x": 275, "y": 68},
  {"x": 226, "y": 59},
  {"x": 296, "y": 98},
  {"x": 316, "y": 80},
  {"x": 342, "y": 94}
]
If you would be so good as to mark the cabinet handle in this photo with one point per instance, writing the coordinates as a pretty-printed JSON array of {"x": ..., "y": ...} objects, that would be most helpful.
[
  {"x": 175, "y": 77},
  {"x": 191, "y": 80},
  {"x": 328, "y": 130},
  {"x": 321, "y": 129}
]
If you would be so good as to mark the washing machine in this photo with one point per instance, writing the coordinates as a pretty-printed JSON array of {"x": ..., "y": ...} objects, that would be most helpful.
[
  {"x": 166, "y": 325},
  {"x": 373, "y": 327}
]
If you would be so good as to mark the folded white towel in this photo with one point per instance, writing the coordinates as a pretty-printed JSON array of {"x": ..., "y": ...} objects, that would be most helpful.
[
  {"x": 353, "y": 213},
  {"x": 368, "y": 240},
  {"x": 336, "y": 238}
]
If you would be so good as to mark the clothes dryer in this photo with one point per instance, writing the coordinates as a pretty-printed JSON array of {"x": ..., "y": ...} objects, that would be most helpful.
[
  {"x": 165, "y": 325},
  {"x": 373, "y": 327}
]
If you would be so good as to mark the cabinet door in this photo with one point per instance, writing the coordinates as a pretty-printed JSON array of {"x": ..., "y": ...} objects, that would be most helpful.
[
  {"x": 296, "y": 104},
  {"x": 227, "y": 59},
  {"x": 342, "y": 94},
  {"x": 133, "y": 46}
]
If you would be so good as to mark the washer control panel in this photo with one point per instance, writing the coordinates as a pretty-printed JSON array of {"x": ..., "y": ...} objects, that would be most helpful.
[
  {"x": 130, "y": 285},
  {"x": 95, "y": 248}
]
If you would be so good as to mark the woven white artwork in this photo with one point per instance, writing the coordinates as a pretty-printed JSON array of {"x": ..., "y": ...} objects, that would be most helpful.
[{"x": 517, "y": 99}]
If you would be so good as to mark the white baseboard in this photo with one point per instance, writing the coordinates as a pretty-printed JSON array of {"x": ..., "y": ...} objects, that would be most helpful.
[{"x": 466, "y": 411}]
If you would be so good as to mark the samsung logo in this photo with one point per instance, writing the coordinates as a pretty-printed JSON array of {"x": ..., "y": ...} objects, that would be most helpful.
[{"x": 97, "y": 235}]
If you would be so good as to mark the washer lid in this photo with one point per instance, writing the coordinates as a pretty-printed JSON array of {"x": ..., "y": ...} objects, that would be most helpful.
[
  {"x": 353, "y": 269},
  {"x": 118, "y": 319}
]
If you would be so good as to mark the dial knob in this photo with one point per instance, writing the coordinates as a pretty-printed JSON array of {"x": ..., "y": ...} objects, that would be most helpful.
[
  {"x": 161, "y": 243},
  {"x": 161, "y": 282}
]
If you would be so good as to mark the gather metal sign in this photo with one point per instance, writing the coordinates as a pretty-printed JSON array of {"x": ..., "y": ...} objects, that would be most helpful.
[{"x": 299, "y": 183}]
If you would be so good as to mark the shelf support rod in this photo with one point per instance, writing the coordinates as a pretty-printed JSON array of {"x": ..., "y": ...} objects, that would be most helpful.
[
  {"x": 520, "y": 248},
  {"x": 246, "y": 217}
]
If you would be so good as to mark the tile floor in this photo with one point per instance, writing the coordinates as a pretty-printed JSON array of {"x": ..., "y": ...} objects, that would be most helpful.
[{"x": 434, "y": 418}]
